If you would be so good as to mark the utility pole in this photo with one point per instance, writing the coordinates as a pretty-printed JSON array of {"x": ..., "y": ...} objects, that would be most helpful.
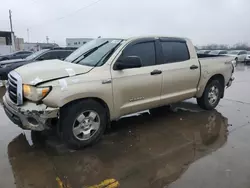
[
  {"x": 28, "y": 34},
  {"x": 47, "y": 39},
  {"x": 12, "y": 33},
  {"x": 11, "y": 28}
]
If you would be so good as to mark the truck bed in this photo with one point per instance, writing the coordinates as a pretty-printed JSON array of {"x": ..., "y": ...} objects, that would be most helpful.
[{"x": 208, "y": 55}]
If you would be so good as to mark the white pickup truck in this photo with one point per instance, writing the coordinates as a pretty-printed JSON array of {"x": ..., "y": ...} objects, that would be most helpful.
[{"x": 108, "y": 78}]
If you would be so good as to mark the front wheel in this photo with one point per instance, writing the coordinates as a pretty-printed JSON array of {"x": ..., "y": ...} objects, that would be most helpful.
[
  {"x": 83, "y": 123},
  {"x": 211, "y": 95}
]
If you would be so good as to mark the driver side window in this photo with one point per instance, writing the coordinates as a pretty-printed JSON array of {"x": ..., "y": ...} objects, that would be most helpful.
[{"x": 145, "y": 51}]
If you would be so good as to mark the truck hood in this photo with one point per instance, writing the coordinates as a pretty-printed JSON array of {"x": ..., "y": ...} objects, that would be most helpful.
[{"x": 43, "y": 71}]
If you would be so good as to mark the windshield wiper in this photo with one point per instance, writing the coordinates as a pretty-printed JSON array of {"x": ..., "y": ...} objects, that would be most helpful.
[
  {"x": 90, "y": 51},
  {"x": 106, "y": 55},
  {"x": 110, "y": 52}
]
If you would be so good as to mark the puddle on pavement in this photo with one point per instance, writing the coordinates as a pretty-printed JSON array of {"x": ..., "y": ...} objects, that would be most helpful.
[{"x": 138, "y": 151}]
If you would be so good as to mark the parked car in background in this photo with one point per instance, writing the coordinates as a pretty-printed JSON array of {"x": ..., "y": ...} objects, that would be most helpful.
[
  {"x": 109, "y": 78},
  {"x": 16, "y": 55},
  {"x": 240, "y": 55},
  {"x": 46, "y": 54},
  {"x": 218, "y": 52},
  {"x": 203, "y": 51},
  {"x": 247, "y": 61}
]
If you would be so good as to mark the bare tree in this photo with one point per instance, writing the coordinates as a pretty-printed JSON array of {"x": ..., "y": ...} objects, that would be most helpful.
[{"x": 238, "y": 46}]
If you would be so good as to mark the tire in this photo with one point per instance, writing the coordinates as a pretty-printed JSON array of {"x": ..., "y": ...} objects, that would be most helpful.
[
  {"x": 82, "y": 116},
  {"x": 160, "y": 110},
  {"x": 207, "y": 103}
]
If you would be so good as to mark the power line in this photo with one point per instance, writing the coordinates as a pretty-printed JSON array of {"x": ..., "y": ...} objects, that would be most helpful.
[
  {"x": 78, "y": 10},
  {"x": 70, "y": 14}
]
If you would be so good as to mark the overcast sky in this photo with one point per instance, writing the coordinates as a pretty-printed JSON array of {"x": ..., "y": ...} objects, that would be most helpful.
[{"x": 203, "y": 21}]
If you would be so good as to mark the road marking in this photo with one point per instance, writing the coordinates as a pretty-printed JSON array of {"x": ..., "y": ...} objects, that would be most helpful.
[
  {"x": 109, "y": 183},
  {"x": 61, "y": 184}
]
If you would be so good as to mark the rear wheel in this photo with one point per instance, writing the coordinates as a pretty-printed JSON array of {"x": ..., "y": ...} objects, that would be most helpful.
[
  {"x": 83, "y": 123},
  {"x": 211, "y": 95}
]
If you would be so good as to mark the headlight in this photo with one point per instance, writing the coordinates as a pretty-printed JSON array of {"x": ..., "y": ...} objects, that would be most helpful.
[{"x": 35, "y": 93}]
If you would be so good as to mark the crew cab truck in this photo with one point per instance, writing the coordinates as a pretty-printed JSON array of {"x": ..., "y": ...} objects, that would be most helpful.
[{"x": 109, "y": 78}]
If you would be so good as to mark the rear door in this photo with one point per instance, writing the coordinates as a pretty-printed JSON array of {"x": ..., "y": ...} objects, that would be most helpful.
[{"x": 181, "y": 72}]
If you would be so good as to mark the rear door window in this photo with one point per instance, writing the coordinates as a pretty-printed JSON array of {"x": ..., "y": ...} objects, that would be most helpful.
[{"x": 174, "y": 51}]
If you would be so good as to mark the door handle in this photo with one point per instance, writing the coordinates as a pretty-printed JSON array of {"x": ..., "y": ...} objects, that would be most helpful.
[
  {"x": 194, "y": 67},
  {"x": 154, "y": 72}
]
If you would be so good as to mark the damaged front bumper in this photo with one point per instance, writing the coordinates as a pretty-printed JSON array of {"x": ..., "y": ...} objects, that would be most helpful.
[{"x": 30, "y": 115}]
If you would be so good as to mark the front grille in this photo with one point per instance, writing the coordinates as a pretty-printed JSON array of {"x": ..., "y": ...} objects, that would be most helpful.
[{"x": 15, "y": 88}]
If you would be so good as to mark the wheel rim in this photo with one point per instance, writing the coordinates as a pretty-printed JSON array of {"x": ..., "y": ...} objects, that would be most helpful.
[
  {"x": 86, "y": 125},
  {"x": 213, "y": 95}
]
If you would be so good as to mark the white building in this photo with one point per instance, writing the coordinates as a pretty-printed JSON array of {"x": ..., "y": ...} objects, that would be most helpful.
[
  {"x": 36, "y": 46},
  {"x": 76, "y": 42},
  {"x": 6, "y": 42}
]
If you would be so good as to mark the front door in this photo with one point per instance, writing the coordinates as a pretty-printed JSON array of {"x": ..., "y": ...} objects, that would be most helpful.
[{"x": 137, "y": 89}]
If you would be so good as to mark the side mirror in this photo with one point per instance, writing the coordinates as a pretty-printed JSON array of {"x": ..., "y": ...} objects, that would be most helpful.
[{"x": 128, "y": 63}]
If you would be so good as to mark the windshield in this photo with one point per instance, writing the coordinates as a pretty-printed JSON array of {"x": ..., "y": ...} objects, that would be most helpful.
[
  {"x": 36, "y": 54},
  {"x": 103, "y": 47},
  {"x": 234, "y": 52}
]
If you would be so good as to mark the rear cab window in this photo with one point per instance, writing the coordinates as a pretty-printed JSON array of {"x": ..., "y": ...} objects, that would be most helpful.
[{"x": 174, "y": 51}]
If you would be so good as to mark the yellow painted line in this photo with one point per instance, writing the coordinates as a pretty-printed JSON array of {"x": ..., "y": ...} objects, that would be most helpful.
[
  {"x": 109, "y": 183},
  {"x": 61, "y": 184}
]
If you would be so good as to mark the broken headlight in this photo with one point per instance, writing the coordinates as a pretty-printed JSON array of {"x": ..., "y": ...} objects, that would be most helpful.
[{"x": 35, "y": 93}]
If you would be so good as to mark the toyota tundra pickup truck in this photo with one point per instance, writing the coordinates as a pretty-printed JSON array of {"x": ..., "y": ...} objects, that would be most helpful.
[{"x": 109, "y": 78}]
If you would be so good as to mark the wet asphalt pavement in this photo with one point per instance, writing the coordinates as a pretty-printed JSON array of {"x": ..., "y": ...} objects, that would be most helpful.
[{"x": 185, "y": 148}]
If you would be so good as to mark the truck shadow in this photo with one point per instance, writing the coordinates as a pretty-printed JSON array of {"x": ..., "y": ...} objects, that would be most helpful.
[{"x": 138, "y": 151}]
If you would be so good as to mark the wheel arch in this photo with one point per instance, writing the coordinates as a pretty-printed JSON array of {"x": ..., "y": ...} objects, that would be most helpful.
[
  {"x": 218, "y": 77},
  {"x": 99, "y": 100}
]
